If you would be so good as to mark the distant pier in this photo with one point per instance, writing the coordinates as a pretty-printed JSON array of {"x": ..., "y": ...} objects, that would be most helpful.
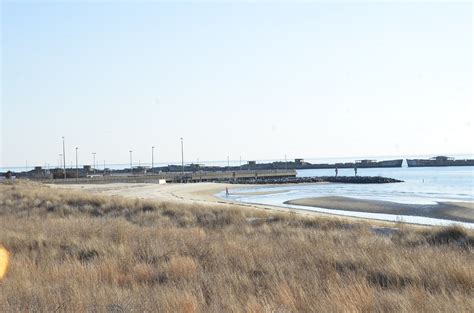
[{"x": 177, "y": 177}]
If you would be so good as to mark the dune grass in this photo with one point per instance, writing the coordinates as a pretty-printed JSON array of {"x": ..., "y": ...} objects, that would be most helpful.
[{"x": 72, "y": 251}]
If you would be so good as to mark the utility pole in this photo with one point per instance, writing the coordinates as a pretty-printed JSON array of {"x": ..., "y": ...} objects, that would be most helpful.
[
  {"x": 64, "y": 158},
  {"x": 93, "y": 155},
  {"x": 131, "y": 164},
  {"x": 182, "y": 157},
  {"x": 77, "y": 167},
  {"x": 152, "y": 159}
]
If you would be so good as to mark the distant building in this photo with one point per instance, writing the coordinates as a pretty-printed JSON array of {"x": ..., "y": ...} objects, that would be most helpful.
[
  {"x": 251, "y": 164},
  {"x": 39, "y": 172},
  {"x": 442, "y": 158},
  {"x": 140, "y": 169},
  {"x": 365, "y": 161},
  {"x": 299, "y": 161},
  {"x": 195, "y": 167}
]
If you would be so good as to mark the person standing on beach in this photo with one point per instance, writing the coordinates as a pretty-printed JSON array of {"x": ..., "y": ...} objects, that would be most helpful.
[
  {"x": 355, "y": 171},
  {"x": 226, "y": 192},
  {"x": 336, "y": 171}
]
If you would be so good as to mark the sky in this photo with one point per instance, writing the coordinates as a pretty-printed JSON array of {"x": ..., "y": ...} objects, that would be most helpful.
[{"x": 257, "y": 80}]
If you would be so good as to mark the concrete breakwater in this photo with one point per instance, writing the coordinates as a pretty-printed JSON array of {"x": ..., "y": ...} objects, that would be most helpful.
[{"x": 318, "y": 179}]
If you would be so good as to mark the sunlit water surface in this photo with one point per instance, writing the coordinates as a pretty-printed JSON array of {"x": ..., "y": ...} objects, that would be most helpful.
[{"x": 427, "y": 185}]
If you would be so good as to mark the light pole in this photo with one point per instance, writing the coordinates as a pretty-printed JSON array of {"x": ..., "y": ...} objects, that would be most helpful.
[
  {"x": 77, "y": 168},
  {"x": 131, "y": 164},
  {"x": 93, "y": 155},
  {"x": 152, "y": 159},
  {"x": 182, "y": 157},
  {"x": 64, "y": 158}
]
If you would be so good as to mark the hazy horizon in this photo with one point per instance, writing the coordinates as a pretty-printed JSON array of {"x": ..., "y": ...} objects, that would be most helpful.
[{"x": 251, "y": 80}]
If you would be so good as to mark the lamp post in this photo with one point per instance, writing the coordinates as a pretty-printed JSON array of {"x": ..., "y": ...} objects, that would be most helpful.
[
  {"x": 152, "y": 159},
  {"x": 77, "y": 168},
  {"x": 64, "y": 158},
  {"x": 131, "y": 164},
  {"x": 93, "y": 155},
  {"x": 182, "y": 157}
]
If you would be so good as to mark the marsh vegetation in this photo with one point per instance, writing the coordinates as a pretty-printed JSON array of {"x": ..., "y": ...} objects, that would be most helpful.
[{"x": 73, "y": 251}]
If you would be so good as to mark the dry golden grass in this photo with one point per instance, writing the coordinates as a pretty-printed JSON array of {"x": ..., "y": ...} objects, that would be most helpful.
[{"x": 72, "y": 251}]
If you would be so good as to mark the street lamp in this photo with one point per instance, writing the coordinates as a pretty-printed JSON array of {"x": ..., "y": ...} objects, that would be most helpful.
[
  {"x": 93, "y": 155},
  {"x": 64, "y": 158},
  {"x": 152, "y": 158},
  {"x": 77, "y": 168},
  {"x": 182, "y": 157},
  {"x": 131, "y": 164}
]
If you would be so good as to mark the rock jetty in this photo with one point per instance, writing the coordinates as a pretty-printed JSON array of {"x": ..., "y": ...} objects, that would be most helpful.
[{"x": 317, "y": 179}]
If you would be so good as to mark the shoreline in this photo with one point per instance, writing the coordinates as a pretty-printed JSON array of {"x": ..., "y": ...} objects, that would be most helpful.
[
  {"x": 206, "y": 194},
  {"x": 201, "y": 194}
]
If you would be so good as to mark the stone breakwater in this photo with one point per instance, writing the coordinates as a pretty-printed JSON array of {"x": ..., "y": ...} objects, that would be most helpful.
[{"x": 317, "y": 179}]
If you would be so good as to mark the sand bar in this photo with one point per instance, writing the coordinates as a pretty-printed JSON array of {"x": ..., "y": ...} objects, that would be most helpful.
[{"x": 458, "y": 211}]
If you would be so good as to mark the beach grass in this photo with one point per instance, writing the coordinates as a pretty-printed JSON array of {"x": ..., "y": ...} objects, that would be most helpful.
[{"x": 74, "y": 251}]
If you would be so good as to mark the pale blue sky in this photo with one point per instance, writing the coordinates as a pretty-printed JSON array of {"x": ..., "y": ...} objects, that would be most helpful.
[{"x": 257, "y": 80}]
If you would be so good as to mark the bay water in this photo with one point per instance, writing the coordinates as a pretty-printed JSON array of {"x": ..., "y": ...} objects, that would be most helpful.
[{"x": 421, "y": 185}]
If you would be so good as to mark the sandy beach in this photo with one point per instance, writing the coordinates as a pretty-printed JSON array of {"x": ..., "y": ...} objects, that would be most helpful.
[
  {"x": 204, "y": 193},
  {"x": 188, "y": 194},
  {"x": 184, "y": 193}
]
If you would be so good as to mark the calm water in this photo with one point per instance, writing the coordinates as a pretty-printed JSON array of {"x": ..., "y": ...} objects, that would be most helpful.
[{"x": 421, "y": 186}]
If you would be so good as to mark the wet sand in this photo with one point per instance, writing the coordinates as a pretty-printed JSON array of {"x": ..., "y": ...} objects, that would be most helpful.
[
  {"x": 457, "y": 211},
  {"x": 259, "y": 193}
]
